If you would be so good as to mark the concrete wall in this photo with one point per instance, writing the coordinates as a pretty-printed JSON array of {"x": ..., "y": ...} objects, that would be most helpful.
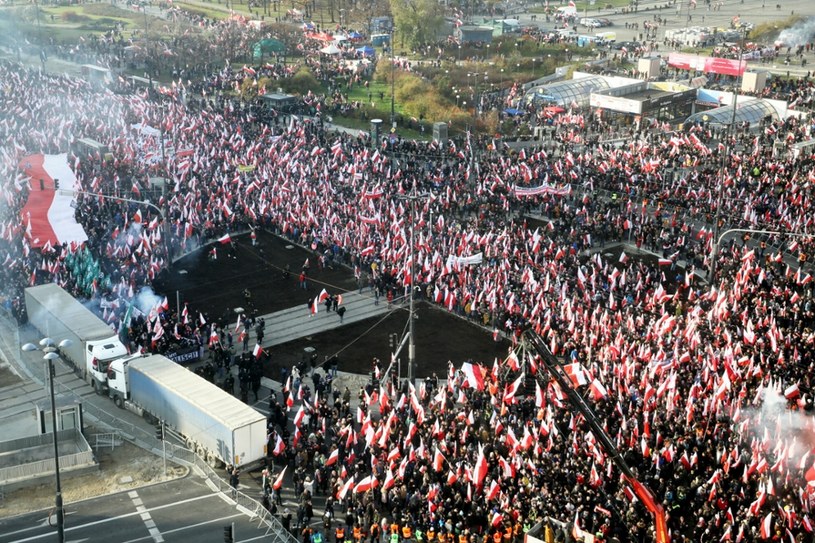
[{"x": 26, "y": 467}]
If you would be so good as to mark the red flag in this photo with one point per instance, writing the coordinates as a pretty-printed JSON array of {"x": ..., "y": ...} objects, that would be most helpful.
[
  {"x": 538, "y": 396},
  {"x": 473, "y": 375},
  {"x": 598, "y": 391},
  {"x": 225, "y": 239},
  {"x": 333, "y": 457},
  {"x": 494, "y": 490},
  {"x": 480, "y": 468},
  {"x": 344, "y": 489},
  {"x": 298, "y": 418},
  {"x": 438, "y": 460},
  {"x": 257, "y": 350},
  {"x": 389, "y": 480},
  {"x": 365, "y": 484},
  {"x": 513, "y": 388},
  {"x": 576, "y": 373},
  {"x": 792, "y": 392},
  {"x": 766, "y": 526},
  {"x": 279, "y": 481},
  {"x": 279, "y": 446}
]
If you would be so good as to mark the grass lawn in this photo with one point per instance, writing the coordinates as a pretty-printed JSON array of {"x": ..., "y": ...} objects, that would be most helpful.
[
  {"x": 361, "y": 124},
  {"x": 214, "y": 11},
  {"x": 70, "y": 22},
  {"x": 361, "y": 93}
]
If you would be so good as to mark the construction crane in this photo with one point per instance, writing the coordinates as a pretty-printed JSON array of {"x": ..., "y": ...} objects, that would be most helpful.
[{"x": 555, "y": 369}]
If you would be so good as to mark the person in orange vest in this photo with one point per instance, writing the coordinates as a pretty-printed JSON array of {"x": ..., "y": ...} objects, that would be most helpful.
[
  {"x": 507, "y": 536},
  {"x": 339, "y": 534},
  {"x": 407, "y": 533},
  {"x": 374, "y": 532},
  {"x": 464, "y": 536},
  {"x": 357, "y": 533}
]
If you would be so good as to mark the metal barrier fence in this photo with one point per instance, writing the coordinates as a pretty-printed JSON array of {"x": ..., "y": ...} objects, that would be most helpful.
[
  {"x": 251, "y": 506},
  {"x": 38, "y": 467},
  {"x": 145, "y": 440}
]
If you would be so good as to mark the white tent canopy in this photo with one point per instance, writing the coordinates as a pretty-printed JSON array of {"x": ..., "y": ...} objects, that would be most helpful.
[{"x": 330, "y": 50}]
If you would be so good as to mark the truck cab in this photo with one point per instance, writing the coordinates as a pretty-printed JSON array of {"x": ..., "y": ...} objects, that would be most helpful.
[
  {"x": 118, "y": 386},
  {"x": 98, "y": 357}
]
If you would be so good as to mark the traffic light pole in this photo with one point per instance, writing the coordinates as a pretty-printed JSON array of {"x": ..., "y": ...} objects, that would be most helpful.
[
  {"x": 164, "y": 450},
  {"x": 160, "y": 436},
  {"x": 229, "y": 533}
]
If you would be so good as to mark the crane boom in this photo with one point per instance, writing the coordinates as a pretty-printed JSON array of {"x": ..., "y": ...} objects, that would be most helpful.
[{"x": 556, "y": 371}]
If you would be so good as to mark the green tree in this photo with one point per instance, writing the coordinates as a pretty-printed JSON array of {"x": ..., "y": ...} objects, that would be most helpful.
[{"x": 417, "y": 21}]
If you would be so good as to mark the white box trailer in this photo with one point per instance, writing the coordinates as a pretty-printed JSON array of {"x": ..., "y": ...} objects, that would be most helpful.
[
  {"x": 216, "y": 425},
  {"x": 58, "y": 315}
]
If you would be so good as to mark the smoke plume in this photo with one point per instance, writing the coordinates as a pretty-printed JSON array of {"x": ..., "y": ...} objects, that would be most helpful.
[{"x": 799, "y": 34}]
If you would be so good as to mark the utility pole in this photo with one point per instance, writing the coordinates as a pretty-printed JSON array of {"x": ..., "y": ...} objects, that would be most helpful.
[
  {"x": 413, "y": 197},
  {"x": 726, "y": 153},
  {"x": 393, "y": 81}
]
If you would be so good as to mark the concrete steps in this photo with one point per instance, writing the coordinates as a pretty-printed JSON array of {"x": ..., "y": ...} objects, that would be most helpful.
[{"x": 297, "y": 322}]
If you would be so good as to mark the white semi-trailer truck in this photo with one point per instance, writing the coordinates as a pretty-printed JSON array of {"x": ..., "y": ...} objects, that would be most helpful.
[
  {"x": 58, "y": 315},
  {"x": 216, "y": 425}
]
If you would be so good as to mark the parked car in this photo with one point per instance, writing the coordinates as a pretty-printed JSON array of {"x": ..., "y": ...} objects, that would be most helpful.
[
  {"x": 604, "y": 22},
  {"x": 629, "y": 45},
  {"x": 589, "y": 22}
]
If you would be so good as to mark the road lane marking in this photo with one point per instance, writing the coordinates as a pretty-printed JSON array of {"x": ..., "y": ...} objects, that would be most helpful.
[
  {"x": 104, "y": 520},
  {"x": 145, "y": 516},
  {"x": 204, "y": 523}
]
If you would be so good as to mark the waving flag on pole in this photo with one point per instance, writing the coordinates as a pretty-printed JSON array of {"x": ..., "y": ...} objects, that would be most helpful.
[
  {"x": 766, "y": 526},
  {"x": 473, "y": 375},
  {"x": 279, "y": 481}
]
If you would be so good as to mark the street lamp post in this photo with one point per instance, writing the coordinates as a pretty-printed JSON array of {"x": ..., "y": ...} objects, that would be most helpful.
[
  {"x": 413, "y": 197},
  {"x": 47, "y": 346},
  {"x": 727, "y": 150},
  {"x": 393, "y": 83},
  {"x": 130, "y": 200}
]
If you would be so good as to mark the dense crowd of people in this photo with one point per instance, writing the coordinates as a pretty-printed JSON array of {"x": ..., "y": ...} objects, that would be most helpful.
[{"x": 681, "y": 365}]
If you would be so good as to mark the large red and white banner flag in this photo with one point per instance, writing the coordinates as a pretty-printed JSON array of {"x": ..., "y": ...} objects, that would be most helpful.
[{"x": 50, "y": 213}]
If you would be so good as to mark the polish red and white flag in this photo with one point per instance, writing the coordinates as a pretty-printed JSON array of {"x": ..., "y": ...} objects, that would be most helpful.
[
  {"x": 473, "y": 375},
  {"x": 279, "y": 481},
  {"x": 766, "y": 526},
  {"x": 50, "y": 213}
]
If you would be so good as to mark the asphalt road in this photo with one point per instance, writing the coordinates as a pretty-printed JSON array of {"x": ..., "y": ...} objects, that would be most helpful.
[
  {"x": 185, "y": 510},
  {"x": 679, "y": 16}
]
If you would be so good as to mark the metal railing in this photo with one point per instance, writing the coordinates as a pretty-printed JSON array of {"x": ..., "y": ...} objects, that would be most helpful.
[
  {"x": 46, "y": 466},
  {"x": 106, "y": 440},
  {"x": 248, "y": 504}
]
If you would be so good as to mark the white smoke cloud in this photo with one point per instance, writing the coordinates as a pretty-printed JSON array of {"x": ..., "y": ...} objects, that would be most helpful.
[
  {"x": 799, "y": 34},
  {"x": 793, "y": 428},
  {"x": 146, "y": 300}
]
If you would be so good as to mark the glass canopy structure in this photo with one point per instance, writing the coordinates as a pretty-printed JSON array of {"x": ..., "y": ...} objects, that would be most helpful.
[
  {"x": 564, "y": 93},
  {"x": 752, "y": 112}
]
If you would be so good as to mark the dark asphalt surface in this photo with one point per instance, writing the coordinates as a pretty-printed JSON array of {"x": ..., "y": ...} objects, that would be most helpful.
[
  {"x": 184, "y": 511},
  {"x": 216, "y": 287}
]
